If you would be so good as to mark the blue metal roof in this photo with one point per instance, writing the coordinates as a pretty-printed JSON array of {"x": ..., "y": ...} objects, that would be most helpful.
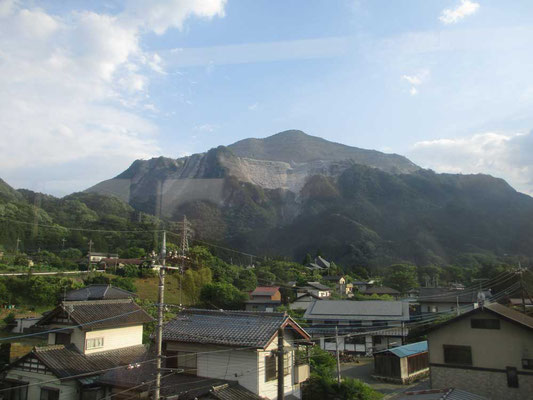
[{"x": 409, "y": 349}]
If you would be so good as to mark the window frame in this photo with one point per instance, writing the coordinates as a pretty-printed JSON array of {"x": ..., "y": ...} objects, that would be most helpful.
[
  {"x": 87, "y": 347},
  {"x": 271, "y": 371},
  {"x": 480, "y": 321},
  {"x": 450, "y": 347}
]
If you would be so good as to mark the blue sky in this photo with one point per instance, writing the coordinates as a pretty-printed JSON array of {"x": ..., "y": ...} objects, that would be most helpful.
[{"x": 85, "y": 91}]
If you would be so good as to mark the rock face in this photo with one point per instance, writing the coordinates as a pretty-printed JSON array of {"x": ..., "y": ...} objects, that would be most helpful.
[{"x": 283, "y": 161}]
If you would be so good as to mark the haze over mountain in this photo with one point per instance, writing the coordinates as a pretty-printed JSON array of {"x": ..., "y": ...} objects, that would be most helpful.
[{"x": 291, "y": 194}]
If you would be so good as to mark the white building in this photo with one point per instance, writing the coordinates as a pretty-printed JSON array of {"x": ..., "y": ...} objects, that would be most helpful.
[
  {"x": 364, "y": 326},
  {"x": 237, "y": 345}
]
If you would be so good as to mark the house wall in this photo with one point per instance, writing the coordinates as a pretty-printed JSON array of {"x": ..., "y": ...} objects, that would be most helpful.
[
  {"x": 218, "y": 362},
  {"x": 116, "y": 338},
  {"x": 492, "y": 351},
  {"x": 245, "y": 366},
  {"x": 77, "y": 337},
  {"x": 68, "y": 390}
]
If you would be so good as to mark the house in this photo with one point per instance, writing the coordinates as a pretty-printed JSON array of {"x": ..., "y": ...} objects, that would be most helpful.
[
  {"x": 361, "y": 286},
  {"x": 433, "y": 300},
  {"x": 97, "y": 257},
  {"x": 98, "y": 292},
  {"x": 402, "y": 364},
  {"x": 488, "y": 350},
  {"x": 340, "y": 284},
  {"x": 84, "y": 338},
  {"x": 237, "y": 345},
  {"x": 319, "y": 264},
  {"x": 303, "y": 301},
  {"x": 316, "y": 288},
  {"x": 264, "y": 298},
  {"x": 519, "y": 303},
  {"x": 137, "y": 383},
  {"x": 352, "y": 319},
  {"x": 383, "y": 290},
  {"x": 24, "y": 324},
  {"x": 109, "y": 262}
]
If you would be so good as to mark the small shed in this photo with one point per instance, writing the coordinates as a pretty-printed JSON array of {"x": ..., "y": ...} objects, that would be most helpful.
[{"x": 403, "y": 364}]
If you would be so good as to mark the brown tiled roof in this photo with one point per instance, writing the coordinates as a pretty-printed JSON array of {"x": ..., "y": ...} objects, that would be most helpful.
[
  {"x": 67, "y": 361},
  {"x": 264, "y": 291},
  {"x": 511, "y": 315},
  {"x": 500, "y": 310},
  {"x": 100, "y": 314},
  {"x": 231, "y": 328}
]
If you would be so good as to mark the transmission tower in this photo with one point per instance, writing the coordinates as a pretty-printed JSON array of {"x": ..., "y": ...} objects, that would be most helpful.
[{"x": 184, "y": 228}]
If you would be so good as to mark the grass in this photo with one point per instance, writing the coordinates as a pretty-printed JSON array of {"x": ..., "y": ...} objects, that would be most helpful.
[{"x": 148, "y": 288}]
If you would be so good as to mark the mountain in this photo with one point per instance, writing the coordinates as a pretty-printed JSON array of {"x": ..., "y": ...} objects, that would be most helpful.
[
  {"x": 40, "y": 221},
  {"x": 282, "y": 161},
  {"x": 292, "y": 194}
]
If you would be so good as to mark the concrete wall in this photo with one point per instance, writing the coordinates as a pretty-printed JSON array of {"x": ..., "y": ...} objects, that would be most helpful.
[{"x": 492, "y": 385}]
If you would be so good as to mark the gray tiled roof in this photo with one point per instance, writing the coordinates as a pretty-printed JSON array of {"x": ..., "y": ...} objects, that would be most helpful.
[
  {"x": 67, "y": 361},
  {"x": 100, "y": 314},
  {"x": 318, "y": 285},
  {"x": 232, "y": 328},
  {"x": 381, "y": 290},
  {"x": 369, "y": 310},
  {"x": 98, "y": 292}
]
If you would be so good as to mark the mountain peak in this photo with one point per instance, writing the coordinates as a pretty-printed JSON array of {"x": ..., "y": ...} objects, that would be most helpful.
[{"x": 295, "y": 146}]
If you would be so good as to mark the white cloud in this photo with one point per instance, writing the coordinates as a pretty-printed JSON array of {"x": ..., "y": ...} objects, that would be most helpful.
[
  {"x": 206, "y": 128},
  {"x": 508, "y": 156},
  {"x": 416, "y": 80},
  {"x": 73, "y": 87},
  {"x": 253, "y": 107},
  {"x": 464, "y": 9}
]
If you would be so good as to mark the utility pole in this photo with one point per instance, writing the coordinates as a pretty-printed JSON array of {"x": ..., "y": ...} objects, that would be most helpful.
[
  {"x": 185, "y": 229},
  {"x": 63, "y": 243},
  {"x": 17, "y": 249},
  {"x": 522, "y": 289},
  {"x": 89, "y": 256},
  {"x": 281, "y": 355},
  {"x": 160, "y": 306},
  {"x": 338, "y": 355},
  {"x": 403, "y": 325}
]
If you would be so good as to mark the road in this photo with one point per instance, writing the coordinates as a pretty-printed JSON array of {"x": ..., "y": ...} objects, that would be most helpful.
[{"x": 363, "y": 371}]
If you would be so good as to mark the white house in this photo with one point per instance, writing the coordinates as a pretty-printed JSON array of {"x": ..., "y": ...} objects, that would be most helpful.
[
  {"x": 237, "y": 345},
  {"x": 315, "y": 288},
  {"x": 85, "y": 338},
  {"x": 364, "y": 326}
]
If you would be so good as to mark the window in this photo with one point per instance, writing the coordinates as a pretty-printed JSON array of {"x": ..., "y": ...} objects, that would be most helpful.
[
  {"x": 527, "y": 363},
  {"x": 49, "y": 394},
  {"x": 461, "y": 355},
  {"x": 92, "y": 394},
  {"x": 62, "y": 338},
  {"x": 18, "y": 390},
  {"x": 478, "y": 323},
  {"x": 512, "y": 377},
  {"x": 376, "y": 340},
  {"x": 270, "y": 368},
  {"x": 94, "y": 343}
]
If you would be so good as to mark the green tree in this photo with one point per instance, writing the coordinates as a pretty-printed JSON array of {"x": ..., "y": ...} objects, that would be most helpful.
[
  {"x": 247, "y": 280},
  {"x": 193, "y": 281},
  {"x": 222, "y": 295},
  {"x": 71, "y": 254},
  {"x": 401, "y": 277},
  {"x": 133, "y": 252}
]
